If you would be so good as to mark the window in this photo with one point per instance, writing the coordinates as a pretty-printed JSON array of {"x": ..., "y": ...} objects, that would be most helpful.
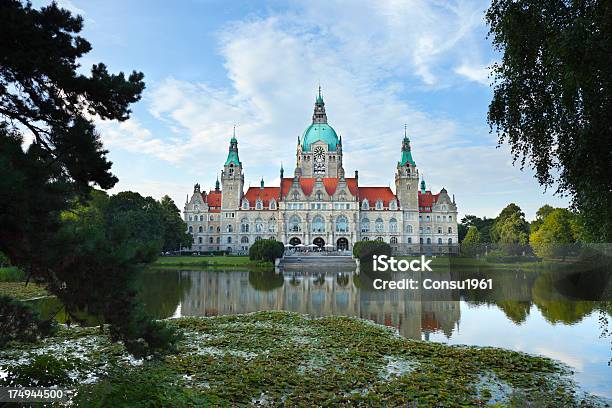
[
  {"x": 409, "y": 229},
  {"x": 439, "y": 241},
  {"x": 245, "y": 204},
  {"x": 427, "y": 218},
  {"x": 438, "y": 218},
  {"x": 421, "y": 240},
  {"x": 365, "y": 239},
  {"x": 410, "y": 240},
  {"x": 318, "y": 224},
  {"x": 259, "y": 225},
  {"x": 295, "y": 224},
  {"x": 420, "y": 218},
  {"x": 218, "y": 240},
  {"x": 200, "y": 229},
  {"x": 258, "y": 204},
  {"x": 450, "y": 240},
  {"x": 272, "y": 225},
  {"x": 210, "y": 240},
  {"x": 393, "y": 240},
  {"x": 319, "y": 195},
  {"x": 393, "y": 205},
  {"x": 428, "y": 230},
  {"x": 379, "y": 225},
  {"x": 210, "y": 229},
  {"x": 379, "y": 239},
  {"x": 379, "y": 205},
  {"x": 244, "y": 225},
  {"x": 229, "y": 228},
  {"x": 450, "y": 230},
  {"x": 273, "y": 204},
  {"x": 450, "y": 218},
  {"x": 258, "y": 238},
  {"x": 439, "y": 230},
  {"x": 191, "y": 218},
  {"x": 365, "y": 225},
  {"x": 229, "y": 240},
  {"x": 393, "y": 225},
  {"x": 190, "y": 228},
  {"x": 199, "y": 240},
  {"x": 201, "y": 218},
  {"x": 341, "y": 224},
  {"x": 429, "y": 240},
  {"x": 365, "y": 205}
]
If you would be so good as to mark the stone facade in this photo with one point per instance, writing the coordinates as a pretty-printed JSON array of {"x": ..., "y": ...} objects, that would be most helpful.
[{"x": 320, "y": 205}]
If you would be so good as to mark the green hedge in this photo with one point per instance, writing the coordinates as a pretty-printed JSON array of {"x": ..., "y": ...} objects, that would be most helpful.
[
  {"x": 266, "y": 250},
  {"x": 365, "y": 249}
]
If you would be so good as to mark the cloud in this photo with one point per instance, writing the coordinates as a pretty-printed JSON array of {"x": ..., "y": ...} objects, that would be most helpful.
[{"x": 476, "y": 73}]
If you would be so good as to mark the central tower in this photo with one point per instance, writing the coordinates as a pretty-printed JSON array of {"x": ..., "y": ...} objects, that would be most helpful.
[{"x": 319, "y": 150}]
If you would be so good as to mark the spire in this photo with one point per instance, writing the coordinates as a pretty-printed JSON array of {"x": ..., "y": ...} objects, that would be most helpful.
[
  {"x": 319, "y": 115},
  {"x": 406, "y": 150},
  {"x": 232, "y": 156},
  {"x": 423, "y": 188},
  {"x": 282, "y": 171},
  {"x": 217, "y": 188},
  {"x": 261, "y": 183}
]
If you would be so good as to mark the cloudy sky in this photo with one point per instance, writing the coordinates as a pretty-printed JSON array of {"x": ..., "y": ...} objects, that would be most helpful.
[{"x": 211, "y": 64}]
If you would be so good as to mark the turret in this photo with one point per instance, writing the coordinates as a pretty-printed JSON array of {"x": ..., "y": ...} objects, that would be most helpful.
[
  {"x": 319, "y": 115},
  {"x": 407, "y": 177},
  {"x": 232, "y": 178}
]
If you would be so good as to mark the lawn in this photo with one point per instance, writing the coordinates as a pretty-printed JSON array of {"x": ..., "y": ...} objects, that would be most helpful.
[
  {"x": 207, "y": 261},
  {"x": 287, "y": 359}
]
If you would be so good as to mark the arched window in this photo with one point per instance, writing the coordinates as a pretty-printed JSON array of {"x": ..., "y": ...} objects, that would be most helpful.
[
  {"x": 296, "y": 195},
  {"x": 190, "y": 228},
  {"x": 427, "y": 218},
  {"x": 258, "y": 204},
  {"x": 318, "y": 224},
  {"x": 191, "y": 218},
  {"x": 379, "y": 205},
  {"x": 450, "y": 230},
  {"x": 429, "y": 240},
  {"x": 439, "y": 241},
  {"x": 450, "y": 218},
  {"x": 439, "y": 230},
  {"x": 199, "y": 240},
  {"x": 393, "y": 205},
  {"x": 210, "y": 240},
  {"x": 379, "y": 226},
  {"x": 319, "y": 196},
  {"x": 421, "y": 240},
  {"x": 201, "y": 218},
  {"x": 218, "y": 229},
  {"x": 259, "y": 225},
  {"x": 365, "y": 205},
  {"x": 365, "y": 239},
  {"x": 365, "y": 225},
  {"x": 210, "y": 228},
  {"x": 244, "y": 240},
  {"x": 393, "y": 225},
  {"x": 272, "y": 204},
  {"x": 272, "y": 225},
  {"x": 229, "y": 228},
  {"x": 450, "y": 240},
  {"x": 258, "y": 238},
  {"x": 229, "y": 240},
  {"x": 295, "y": 224},
  {"x": 379, "y": 239},
  {"x": 393, "y": 240},
  {"x": 409, "y": 229},
  {"x": 200, "y": 229},
  {"x": 244, "y": 225},
  {"x": 341, "y": 224},
  {"x": 245, "y": 204}
]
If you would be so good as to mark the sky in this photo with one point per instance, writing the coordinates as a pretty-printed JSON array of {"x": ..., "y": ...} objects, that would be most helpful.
[{"x": 210, "y": 65}]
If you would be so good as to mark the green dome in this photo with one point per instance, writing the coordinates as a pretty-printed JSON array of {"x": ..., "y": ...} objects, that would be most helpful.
[{"x": 319, "y": 131}]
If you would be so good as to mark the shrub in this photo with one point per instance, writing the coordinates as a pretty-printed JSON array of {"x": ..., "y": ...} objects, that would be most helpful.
[
  {"x": 365, "y": 249},
  {"x": 19, "y": 322},
  {"x": 266, "y": 250},
  {"x": 11, "y": 274},
  {"x": 44, "y": 371}
]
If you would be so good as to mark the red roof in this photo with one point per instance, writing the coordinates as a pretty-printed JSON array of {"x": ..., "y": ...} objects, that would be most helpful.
[
  {"x": 373, "y": 194},
  {"x": 427, "y": 200},
  {"x": 330, "y": 184},
  {"x": 213, "y": 199},
  {"x": 264, "y": 194}
]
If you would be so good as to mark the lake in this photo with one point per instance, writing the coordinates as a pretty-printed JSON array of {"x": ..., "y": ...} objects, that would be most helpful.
[{"x": 537, "y": 312}]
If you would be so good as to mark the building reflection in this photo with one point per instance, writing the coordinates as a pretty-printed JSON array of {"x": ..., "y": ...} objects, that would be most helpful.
[{"x": 411, "y": 312}]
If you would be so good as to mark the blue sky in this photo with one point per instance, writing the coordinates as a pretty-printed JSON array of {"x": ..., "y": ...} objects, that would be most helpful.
[{"x": 211, "y": 64}]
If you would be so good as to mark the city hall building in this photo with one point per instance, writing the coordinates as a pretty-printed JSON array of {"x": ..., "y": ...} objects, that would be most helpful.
[{"x": 320, "y": 205}]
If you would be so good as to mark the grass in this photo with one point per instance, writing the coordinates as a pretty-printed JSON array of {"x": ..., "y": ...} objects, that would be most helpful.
[
  {"x": 21, "y": 291},
  {"x": 207, "y": 261},
  {"x": 287, "y": 359},
  {"x": 11, "y": 274}
]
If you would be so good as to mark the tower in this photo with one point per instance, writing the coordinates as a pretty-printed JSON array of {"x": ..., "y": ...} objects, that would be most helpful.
[
  {"x": 232, "y": 178},
  {"x": 319, "y": 149},
  {"x": 407, "y": 178}
]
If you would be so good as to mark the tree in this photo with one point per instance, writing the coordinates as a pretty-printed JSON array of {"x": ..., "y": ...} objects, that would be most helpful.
[
  {"x": 482, "y": 224},
  {"x": 48, "y": 228},
  {"x": 510, "y": 226},
  {"x": 266, "y": 250},
  {"x": 541, "y": 214},
  {"x": 470, "y": 244},
  {"x": 175, "y": 235},
  {"x": 551, "y": 99},
  {"x": 557, "y": 231}
]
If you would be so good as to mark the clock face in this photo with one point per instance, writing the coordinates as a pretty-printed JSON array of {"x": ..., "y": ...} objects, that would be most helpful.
[{"x": 319, "y": 159}]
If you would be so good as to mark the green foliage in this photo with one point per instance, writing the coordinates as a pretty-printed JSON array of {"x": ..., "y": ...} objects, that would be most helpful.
[
  {"x": 266, "y": 250},
  {"x": 11, "y": 274},
  {"x": 174, "y": 236},
  {"x": 44, "y": 371},
  {"x": 471, "y": 242},
  {"x": 364, "y": 250},
  {"x": 153, "y": 386},
  {"x": 482, "y": 224},
  {"x": 558, "y": 229},
  {"x": 510, "y": 229},
  {"x": 551, "y": 98},
  {"x": 541, "y": 214},
  {"x": 19, "y": 322}
]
